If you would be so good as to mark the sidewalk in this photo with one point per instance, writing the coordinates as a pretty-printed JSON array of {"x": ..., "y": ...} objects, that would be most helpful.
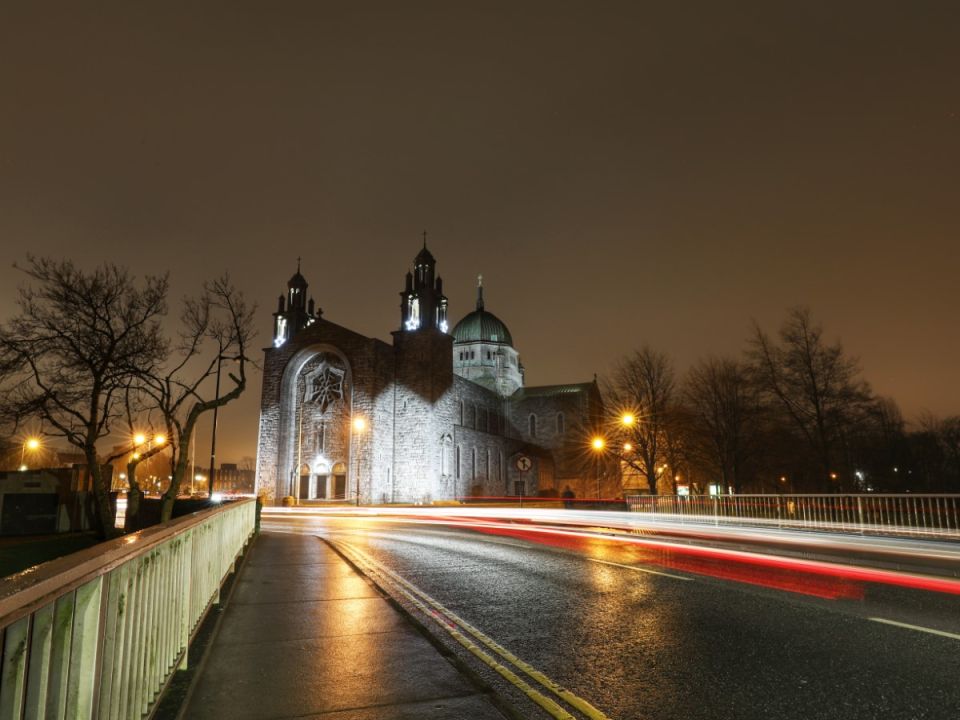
[{"x": 305, "y": 636}]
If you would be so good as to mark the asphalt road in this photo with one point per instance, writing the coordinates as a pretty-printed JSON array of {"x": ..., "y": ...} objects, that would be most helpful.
[{"x": 646, "y": 632}]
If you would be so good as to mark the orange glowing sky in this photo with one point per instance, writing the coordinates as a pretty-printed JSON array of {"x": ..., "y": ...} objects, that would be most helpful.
[{"x": 619, "y": 172}]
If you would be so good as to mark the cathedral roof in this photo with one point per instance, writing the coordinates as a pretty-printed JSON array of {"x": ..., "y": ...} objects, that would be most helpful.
[
  {"x": 482, "y": 326},
  {"x": 554, "y": 390}
]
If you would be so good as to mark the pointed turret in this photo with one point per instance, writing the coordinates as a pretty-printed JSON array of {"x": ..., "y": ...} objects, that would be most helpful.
[
  {"x": 293, "y": 311},
  {"x": 422, "y": 303}
]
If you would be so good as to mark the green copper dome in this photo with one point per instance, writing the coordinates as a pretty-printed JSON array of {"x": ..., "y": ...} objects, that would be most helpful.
[{"x": 481, "y": 326}]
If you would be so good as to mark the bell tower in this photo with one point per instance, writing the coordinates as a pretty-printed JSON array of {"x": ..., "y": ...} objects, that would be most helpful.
[{"x": 423, "y": 305}]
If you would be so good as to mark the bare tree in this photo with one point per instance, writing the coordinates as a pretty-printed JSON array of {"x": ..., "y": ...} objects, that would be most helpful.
[
  {"x": 216, "y": 327},
  {"x": 138, "y": 405},
  {"x": 643, "y": 385},
  {"x": 816, "y": 385},
  {"x": 725, "y": 407},
  {"x": 78, "y": 341},
  {"x": 945, "y": 433}
]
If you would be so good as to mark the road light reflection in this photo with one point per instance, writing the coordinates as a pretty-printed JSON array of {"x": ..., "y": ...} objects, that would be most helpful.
[{"x": 559, "y": 529}]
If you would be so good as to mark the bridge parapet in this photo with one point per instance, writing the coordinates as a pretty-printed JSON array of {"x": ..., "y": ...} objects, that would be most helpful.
[
  {"x": 906, "y": 514},
  {"x": 97, "y": 634}
]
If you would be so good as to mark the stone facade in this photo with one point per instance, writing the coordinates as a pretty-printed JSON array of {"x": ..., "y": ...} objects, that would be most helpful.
[{"x": 346, "y": 417}]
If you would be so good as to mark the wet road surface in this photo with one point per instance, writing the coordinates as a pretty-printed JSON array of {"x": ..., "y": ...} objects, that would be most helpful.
[{"x": 649, "y": 633}]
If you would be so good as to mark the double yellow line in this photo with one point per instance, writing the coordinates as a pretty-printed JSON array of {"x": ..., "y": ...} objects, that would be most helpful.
[{"x": 498, "y": 659}]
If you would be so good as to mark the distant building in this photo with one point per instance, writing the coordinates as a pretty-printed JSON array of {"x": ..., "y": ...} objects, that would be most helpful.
[
  {"x": 50, "y": 500},
  {"x": 436, "y": 415},
  {"x": 230, "y": 478}
]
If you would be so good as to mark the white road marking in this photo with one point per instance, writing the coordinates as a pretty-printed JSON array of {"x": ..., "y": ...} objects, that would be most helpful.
[
  {"x": 640, "y": 569},
  {"x": 942, "y": 633}
]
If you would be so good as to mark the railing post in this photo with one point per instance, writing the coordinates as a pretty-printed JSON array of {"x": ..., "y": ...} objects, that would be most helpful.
[{"x": 860, "y": 513}]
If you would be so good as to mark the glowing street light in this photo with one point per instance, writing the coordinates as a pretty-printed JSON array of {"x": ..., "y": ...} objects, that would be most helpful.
[
  {"x": 160, "y": 439},
  {"x": 598, "y": 444},
  {"x": 32, "y": 444},
  {"x": 628, "y": 419},
  {"x": 139, "y": 439}
]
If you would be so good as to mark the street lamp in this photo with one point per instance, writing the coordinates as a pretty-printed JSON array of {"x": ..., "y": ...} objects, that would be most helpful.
[
  {"x": 598, "y": 444},
  {"x": 359, "y": 425},
  {"x": 31, "y": 444}
]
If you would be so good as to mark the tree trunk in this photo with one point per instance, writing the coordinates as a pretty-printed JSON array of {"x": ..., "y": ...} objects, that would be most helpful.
[
  {"x": 179, "y": 470},
  {"x": 101, "y": 494},
  {"x": 134, "y": 494}
]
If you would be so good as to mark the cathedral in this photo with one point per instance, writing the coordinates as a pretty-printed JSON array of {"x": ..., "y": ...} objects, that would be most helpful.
[{"x": 437, "y": 415}]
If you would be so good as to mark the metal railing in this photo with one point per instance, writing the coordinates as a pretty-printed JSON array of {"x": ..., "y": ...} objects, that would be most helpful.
[
  {"x": 97, "y": 634},
  {"x": 911, "y": 514}
]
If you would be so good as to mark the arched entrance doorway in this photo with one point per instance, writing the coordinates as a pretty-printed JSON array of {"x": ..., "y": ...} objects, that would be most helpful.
[
  {"x": 304, "y": 485},
  {"x": 339, "y": 481},
  {"x": 321, "y": 482}
]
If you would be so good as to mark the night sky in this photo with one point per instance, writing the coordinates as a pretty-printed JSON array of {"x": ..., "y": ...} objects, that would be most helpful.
[{"x": 620, "y": 173}]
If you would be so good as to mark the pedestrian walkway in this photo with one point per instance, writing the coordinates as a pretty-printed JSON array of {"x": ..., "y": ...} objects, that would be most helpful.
[{"x": 303, "y": 635}]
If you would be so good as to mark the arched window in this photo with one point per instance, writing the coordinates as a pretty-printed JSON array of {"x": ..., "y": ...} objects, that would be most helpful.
[
  {"x": 473, "y": 464},
  {"x": 560, "y": 424},
  {"x": 533, "y": 425},
  {"x": 458, "y": 461},
  {"x": 446, "y": 455},
  {"x": 461, "y": 412}
]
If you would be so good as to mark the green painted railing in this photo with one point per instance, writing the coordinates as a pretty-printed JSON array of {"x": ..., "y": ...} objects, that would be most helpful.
[{"x": 97, "y": 634}]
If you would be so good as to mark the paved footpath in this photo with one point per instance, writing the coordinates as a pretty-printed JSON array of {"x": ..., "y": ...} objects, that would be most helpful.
[{"x": 303, "y": 635}]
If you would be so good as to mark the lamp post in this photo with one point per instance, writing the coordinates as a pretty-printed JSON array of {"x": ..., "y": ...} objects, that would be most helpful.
[
  {"x": 598, "y": 444},
  {"x": 213, "y": 432},
  {"x": 359, "y": 425}
]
